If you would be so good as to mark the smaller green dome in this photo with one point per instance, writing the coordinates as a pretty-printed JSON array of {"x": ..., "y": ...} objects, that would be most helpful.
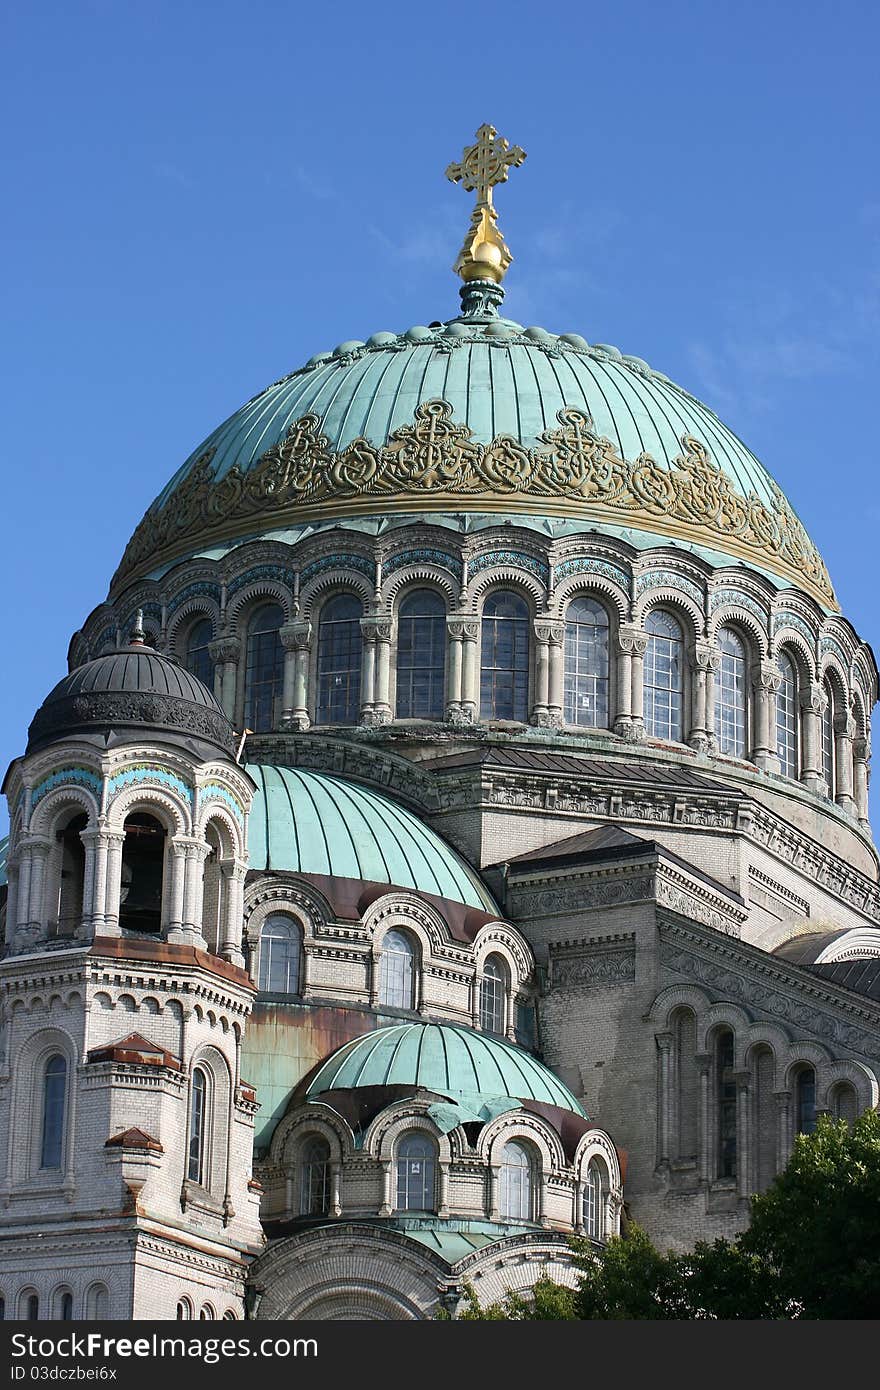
[
  {"x": 456, "y": 1062},
  {"x": 312, "y": 823}
]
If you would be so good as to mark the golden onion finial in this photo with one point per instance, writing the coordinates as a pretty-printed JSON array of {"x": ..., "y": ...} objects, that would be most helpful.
[{"x": 484, "y": 255}]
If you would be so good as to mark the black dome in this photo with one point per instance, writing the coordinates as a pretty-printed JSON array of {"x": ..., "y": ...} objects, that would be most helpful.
[{"x": 135, "y": 687}]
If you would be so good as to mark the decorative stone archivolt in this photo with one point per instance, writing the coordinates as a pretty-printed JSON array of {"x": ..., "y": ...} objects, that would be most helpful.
[{"x": 435, "y": 460}]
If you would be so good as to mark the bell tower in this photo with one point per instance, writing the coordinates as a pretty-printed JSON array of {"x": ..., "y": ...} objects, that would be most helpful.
[{"x": 126, "y": 1139}]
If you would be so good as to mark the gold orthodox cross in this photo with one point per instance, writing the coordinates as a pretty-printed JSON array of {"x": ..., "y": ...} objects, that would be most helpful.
[{"x": 484, "y": 164}]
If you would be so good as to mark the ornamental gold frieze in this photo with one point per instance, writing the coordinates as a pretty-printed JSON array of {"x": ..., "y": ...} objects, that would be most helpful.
[{"x": 435, "y": 464}]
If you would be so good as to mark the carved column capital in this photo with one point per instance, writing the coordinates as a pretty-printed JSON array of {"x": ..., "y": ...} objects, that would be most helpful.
[
  {"x": 767, "y": 677},
  {"x": 813, "y": 698},
  {"x": 467, "y": 629},
  {"x": 548, "y": 631},
  {"x": 225, "y": 649},
  {"x": 376, "y": 629},
  {"x": 296, "y": 637},
  {"x": 632, "y": 639},
  {"x": 845, "y": 724},
  {"x": 862, "y": 749},
  {"x": 704, "y": 656}
]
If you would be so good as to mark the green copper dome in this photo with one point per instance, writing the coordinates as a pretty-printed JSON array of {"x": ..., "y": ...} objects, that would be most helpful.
[
  {"x": 442, "y": 1057},
  {"x": 313, "y": 823},
  {"x": 479, "y": 416}
]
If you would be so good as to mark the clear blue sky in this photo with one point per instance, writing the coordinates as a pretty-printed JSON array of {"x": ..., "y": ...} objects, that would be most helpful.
[{"x": 199, "y": 196}]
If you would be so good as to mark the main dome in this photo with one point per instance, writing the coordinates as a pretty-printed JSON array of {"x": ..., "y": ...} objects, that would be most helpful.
[{"x": 479, "y": 416}]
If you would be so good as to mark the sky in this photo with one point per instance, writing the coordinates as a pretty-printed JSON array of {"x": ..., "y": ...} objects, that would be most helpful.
[{"x": 198, "y": 197}]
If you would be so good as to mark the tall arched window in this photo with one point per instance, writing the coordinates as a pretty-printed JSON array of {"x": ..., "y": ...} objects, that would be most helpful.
[
  {"x": 31, "y": 1307},
  {"x": 685, "y": 1047},
  {"x": 805, "y": 1100},
  {"x": 73, "y": 872},
  {"x": 54, "y": 1104},
  {"x": 594, "y": 1191},
  {"x": 314, "y": 1178},
  {"x": 730, "y": 695},
  {"x": 493, "y": 996},
  {"x": 787, "y": 730},
  {"x": 829, "y": 770},
  {"x": 143, "y": 867},
  {"x": 586, "y": 664},
  {"x": 845, "y": 1103},
  {"x": 504, "y": 674},
  {"x": 397, "y": 970},
  {"x": 763, "y": 1115},
  {"x": 64, "y": 1305},
  {"x": 280, "y": 949},
  {"x": 725, "y": 1104},
  {"x": 416, "y": 1164},
  {"x": 664, "y": 676},
  {"x": 198, "y": 1127},
  {"x": 516, "y": 1182},
  {"x": 184, "y": 1310},
  {"x": 421, "y": 656},
  {"x": 264, "y": 668},
  {"x": 198, "y": 654},
  {"x": 339, "y": 661}
]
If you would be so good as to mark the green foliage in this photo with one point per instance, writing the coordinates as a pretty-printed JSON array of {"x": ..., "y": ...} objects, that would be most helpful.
[{"x": 812, "y": 1250}]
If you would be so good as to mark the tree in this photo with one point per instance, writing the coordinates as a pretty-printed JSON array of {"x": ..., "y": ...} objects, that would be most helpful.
[{"x": 812, "y": 1250}]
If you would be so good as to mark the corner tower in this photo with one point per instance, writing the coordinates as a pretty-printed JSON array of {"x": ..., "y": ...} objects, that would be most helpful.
[{"x": 127, "y": 1139}]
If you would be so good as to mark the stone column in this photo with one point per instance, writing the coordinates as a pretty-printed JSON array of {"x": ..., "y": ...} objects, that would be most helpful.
[
  {"x": 113, "y": 893},
  {"x": 470, "y": 671},
  {"x": 542, "y": 673},
  {"x": 743, "y": 1134},
  {"x": 812, "y": 701},
  {"x": 453, "y": 669},
  {"x": 861, "y": 759},
  {"x": 368, "y": 670},
  {"x": 784, "y": 1136},
  {"x": 705, "y": 1146},
  {"x": 288, "y": 635},
  {"x": 176, "y": 865},
  {"x": 557, "y": 675},
  {"x": 98, "y": 907},
  {"x": 623, "y": 683},
  {"x": 664, "y": 1097},
  {"x": 382, "y": 711},
  {"x": 226, "y": 651},
  {"x": 83, "y": 932},
  {"x": 39, "y": 852},
  {"x": 637, "y": 698},
  {"x": 443, "y": 1194},
  {"x": 387, "y": 1206},
  {"x": 766, "y": 681},
  {"x": 301, "y": 636},
  {"x": 705, "y": 660},
  {"x": 494, "y": 1186},
  {"x": 335, "y": 1188},
  {"x": 233, "y": 917},
  {"x": 196, "y": 854},
  {"x": 844, "y": 733},
  {"x": 547, "y": 709},
  {"x": 11, "y": 901}
]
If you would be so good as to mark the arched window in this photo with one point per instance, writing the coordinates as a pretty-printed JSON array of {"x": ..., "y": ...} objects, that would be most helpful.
[
  {"x": 143, "y": 864},
  {"x": 730, "y": 695},
  {"x": 339, "y": 661},
  {"x": 63, "y": 1309},
  {"x": 493, "y": 996},
  {"x": 31, "y": 1307},
  {"x": 516, "y": 1183},
  {"x": 504, "y": 675},
  {"x": 264, "y": 668},
  {"x": 685, "y": 1045},
  {"x": 805, "y": 1100},
  {"x": 314, "y": 1178},
  {"x": 184, "y": 1310},
  {"x": 2, "y": 1308},
  {"x": 198, "y": 1122},
  {"x": 763, "y": 1114},
  {"x": 664, "y": 676},
  {"x": 73, "y": 871},
  {"x": 54, "y": 1103},
  {"x": 280, "y": 950},
  {"x": 586, "y": 664},
  {"x": 421, "y": 656},
  {"x": 198, "y": 654},
  {"x": 98, "y": 1302},
  {"x": 594, "y": 1191},
  {"x": 416, "y": 1164},
  {"x": 787, "y": 731},
  {"x": 829, "y": 769},
  {"x": 725, "y": 1104},
  {"x": 206, "y": 1313},
  {"x": 397, "y": 970},
  {"x": 229, "y": 1316}
]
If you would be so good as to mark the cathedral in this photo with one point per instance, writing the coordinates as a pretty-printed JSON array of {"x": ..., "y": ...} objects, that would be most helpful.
[{"x": 450, "y": 835}]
